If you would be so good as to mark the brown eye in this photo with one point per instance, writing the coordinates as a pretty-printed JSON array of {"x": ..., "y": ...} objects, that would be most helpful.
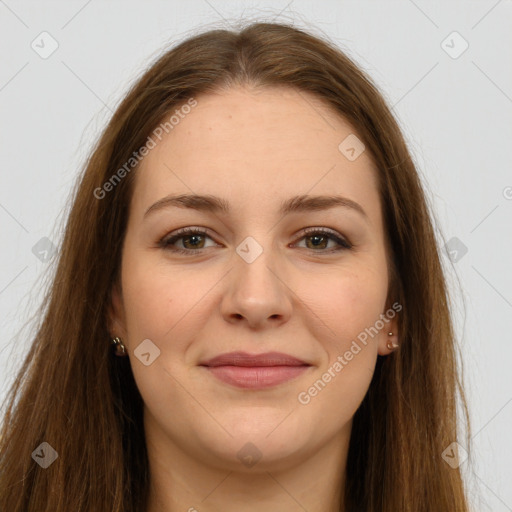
[
  {"x": 319, "y": 240},
  {"x": 192, "y": 240}
]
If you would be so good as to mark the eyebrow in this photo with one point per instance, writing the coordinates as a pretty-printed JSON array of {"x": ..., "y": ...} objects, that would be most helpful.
[{"x": 214, "y": 204}]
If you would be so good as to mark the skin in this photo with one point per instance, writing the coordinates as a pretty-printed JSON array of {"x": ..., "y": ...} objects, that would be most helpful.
[{"x": 253, "y": 148}]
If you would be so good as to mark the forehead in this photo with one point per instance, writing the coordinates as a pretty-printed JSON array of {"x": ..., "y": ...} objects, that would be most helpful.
[{"x": 267, "y": 143}]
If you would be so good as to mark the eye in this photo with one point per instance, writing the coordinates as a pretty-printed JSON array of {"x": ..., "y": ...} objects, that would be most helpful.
[
  {"x": 192, "y": 240},
  {"x": 319, "y": 237}
]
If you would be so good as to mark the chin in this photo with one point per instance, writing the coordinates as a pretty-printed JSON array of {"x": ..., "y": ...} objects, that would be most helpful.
[
  {"x": 261, "y": 443},
  {"x": 257, "y": 454}
]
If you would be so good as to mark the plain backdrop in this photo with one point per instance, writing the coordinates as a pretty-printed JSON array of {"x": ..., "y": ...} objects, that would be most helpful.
[{"x": 444, "y": 67}]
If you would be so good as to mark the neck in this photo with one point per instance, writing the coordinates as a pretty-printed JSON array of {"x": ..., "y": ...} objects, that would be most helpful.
[{"x": 180, "y": 482}]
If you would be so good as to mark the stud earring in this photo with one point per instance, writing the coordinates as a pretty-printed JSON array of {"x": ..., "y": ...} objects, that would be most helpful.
[
  {"x": 390, "y": 344},
  {"x": 120, "y": 348}
]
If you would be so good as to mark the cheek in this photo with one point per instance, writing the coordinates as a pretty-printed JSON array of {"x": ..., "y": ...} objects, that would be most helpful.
[
  {"x": 162, "y": 302},
  {"x": 149, "y": 302},
  {"x": 153, "y": 297},
  {"x": 156, "y": 308},
  {"x": 347, "y": 302},
  {"x": 350, "y": 308}
]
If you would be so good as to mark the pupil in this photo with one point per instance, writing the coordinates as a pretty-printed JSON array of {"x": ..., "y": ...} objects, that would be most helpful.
[
  {"x": 316, "y": 238},
  {"x": 193, "y": 237}
]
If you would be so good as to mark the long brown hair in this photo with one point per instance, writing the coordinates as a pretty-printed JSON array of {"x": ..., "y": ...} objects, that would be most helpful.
[{"x": 72, "y": 393}]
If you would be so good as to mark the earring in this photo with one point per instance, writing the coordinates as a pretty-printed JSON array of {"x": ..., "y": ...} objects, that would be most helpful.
[
  {"x": 390, "y": 344},
  {"x": 120, "y": 348}
]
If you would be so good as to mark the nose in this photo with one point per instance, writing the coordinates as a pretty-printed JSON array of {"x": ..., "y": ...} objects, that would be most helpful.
[{"x": 256, "y": 293}]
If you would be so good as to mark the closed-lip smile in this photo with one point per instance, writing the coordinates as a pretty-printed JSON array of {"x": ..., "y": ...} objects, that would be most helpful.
[{"x": 255, "y": 371}]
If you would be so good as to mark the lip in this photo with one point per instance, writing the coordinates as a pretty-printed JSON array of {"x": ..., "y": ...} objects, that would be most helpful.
[
  {"x": 255, "y": 371},
  {"x": 248, "y": 360}
]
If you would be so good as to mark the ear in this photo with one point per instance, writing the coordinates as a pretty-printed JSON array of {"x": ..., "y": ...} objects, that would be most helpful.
[
  {"x": 116, "y": 313},
  {"x": 390, "y": 316}
]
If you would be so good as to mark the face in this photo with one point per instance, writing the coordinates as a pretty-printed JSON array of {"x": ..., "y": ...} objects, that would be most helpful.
[{"x": 307, "y": 279}]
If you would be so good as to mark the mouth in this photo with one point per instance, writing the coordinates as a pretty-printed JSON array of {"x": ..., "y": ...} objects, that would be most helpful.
[{"x": 255, "y": 371}]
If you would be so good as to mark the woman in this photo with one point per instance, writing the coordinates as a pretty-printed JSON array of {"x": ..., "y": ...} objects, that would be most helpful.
[{"x": 259, "y": 367}]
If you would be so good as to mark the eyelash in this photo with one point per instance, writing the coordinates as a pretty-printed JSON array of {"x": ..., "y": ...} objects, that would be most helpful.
[{"x": 166, "y": 242}]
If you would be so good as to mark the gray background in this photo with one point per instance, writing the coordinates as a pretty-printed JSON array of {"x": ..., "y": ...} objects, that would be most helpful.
[{"x": 456, "y": 114}]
